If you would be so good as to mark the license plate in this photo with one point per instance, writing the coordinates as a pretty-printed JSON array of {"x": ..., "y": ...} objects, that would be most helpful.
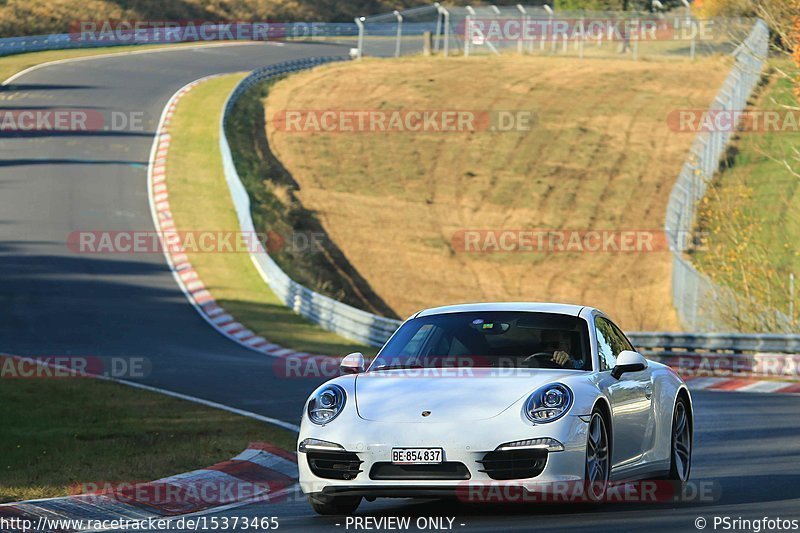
[{"x": 417, "y": 456}]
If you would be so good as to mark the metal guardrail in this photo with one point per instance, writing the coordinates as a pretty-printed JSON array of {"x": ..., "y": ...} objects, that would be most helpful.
[
  {"x": 735, "y": 343},
  {"x": 348, "y": 321}
]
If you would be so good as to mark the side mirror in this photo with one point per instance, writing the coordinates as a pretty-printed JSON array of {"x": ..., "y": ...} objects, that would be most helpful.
[
  {"x": 352, "y": 364},
  {"x": 628, "y": 361}
]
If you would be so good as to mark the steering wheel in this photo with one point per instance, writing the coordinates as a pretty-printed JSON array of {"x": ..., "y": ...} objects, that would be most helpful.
[{"x": 540, "y": 357}]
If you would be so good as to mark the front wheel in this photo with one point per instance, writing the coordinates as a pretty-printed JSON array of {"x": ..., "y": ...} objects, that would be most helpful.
[
  {"x": 598, "y": 459},
  {"x": 681, "y": 451},
  {"x": 334, "y": 505}
]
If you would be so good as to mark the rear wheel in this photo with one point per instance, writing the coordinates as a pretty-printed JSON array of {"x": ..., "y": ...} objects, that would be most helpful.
[
  {"x": 334, "y": 505},
  {"x": 598, "y": 460},
  {"x": 681, "y": 451}
]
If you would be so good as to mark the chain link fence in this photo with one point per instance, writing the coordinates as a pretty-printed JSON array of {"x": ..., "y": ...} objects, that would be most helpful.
[
  {"x": 701, "y": 304},
  {"x": 538, "y": 30}
]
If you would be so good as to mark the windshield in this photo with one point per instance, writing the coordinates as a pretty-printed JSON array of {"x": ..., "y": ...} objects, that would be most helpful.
[{"x": 495, "y": 339}]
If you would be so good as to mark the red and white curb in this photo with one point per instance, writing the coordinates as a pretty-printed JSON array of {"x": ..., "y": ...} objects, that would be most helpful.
[
  {"x": 182, "y": 269},
  {"x": 261, "y": 473}
]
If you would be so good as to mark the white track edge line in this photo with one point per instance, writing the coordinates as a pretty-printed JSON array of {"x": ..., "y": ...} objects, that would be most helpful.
[{"x": 194, "y": 399}]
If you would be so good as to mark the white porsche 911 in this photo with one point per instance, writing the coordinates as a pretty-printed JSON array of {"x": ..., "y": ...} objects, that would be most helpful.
[{"x": 529, "y": 394}]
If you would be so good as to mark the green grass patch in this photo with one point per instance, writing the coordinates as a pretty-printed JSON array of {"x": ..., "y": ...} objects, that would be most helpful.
[
  {"x": 751, "y": 213},
  {"x": 200, "y": 200},
  {"x": 60, "y": 433}
]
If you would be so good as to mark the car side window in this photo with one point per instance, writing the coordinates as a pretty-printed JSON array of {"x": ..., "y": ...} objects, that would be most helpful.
[
  {"x": 607, "y": 343},
  {"x": 622, "y": 340}
]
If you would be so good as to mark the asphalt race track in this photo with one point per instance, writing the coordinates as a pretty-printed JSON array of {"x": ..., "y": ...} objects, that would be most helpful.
[
  {"x": 56, "y": 302},
  {"x": 747, "y": 455}
]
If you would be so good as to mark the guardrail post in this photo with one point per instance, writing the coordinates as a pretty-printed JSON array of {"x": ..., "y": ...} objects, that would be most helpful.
[
  {"x": 550, "y": 28},
  {"x": 467, "y": 34},
  {"x": 399, "y": 32},
  {"x": 438, "y": 27},
  {"x": 446, "y": 21}
]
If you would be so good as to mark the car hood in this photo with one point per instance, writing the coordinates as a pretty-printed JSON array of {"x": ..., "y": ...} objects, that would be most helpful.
[{"x": 450, "y": 395}]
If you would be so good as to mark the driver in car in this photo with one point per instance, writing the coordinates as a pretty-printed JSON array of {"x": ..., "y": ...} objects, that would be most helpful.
[{"x": 558, "y": 343}]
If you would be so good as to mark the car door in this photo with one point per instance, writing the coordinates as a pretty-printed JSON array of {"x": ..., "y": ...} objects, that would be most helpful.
[{"x": 630, "y": 396}]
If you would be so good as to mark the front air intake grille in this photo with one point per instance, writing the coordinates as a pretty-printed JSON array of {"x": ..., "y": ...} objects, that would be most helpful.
[
  {"x": 452, "y": 470},
  {"x": 514, "y": 464},
  {"x": 334, "y": 465}
]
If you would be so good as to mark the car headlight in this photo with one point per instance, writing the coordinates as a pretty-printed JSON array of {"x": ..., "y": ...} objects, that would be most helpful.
[
  {"x": 326, "y": 404},
  {"x": 548, "y": 403}
]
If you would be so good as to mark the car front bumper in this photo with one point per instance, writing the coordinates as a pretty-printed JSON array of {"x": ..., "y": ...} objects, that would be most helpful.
[{"x": 372, "y": 442}]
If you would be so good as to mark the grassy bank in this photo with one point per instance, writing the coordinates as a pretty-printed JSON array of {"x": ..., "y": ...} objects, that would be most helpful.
[
  {"x": 750, "y": 213},
  {"x": 306, "y": 253},
  {"x": 200, "y": 200},
  {"x": 600, "y": 156},
  {"x": 59, "y": 433}
]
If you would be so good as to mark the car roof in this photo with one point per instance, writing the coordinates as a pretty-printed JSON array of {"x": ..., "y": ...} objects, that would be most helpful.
[{"x": 532, "y": 307}]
